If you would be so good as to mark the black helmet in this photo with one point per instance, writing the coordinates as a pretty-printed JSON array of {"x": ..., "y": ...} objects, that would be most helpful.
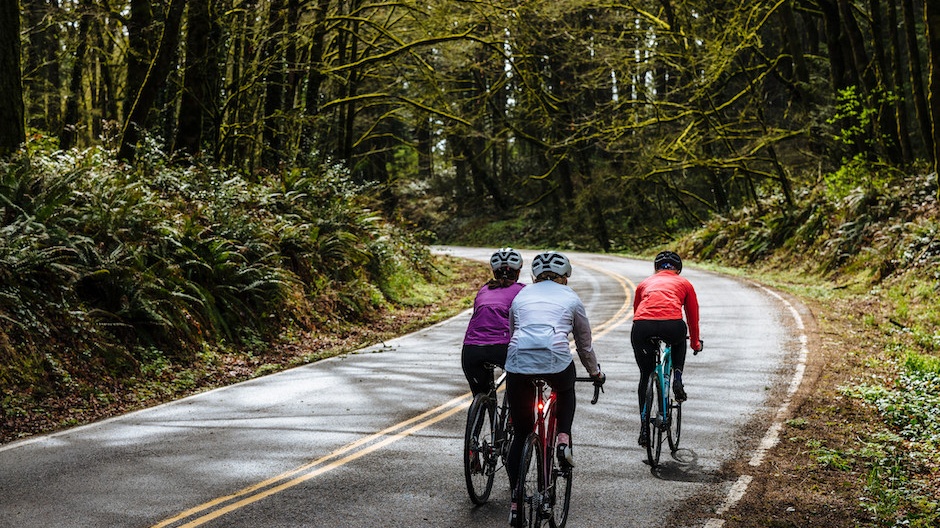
[{"x": 668, "y": 260}]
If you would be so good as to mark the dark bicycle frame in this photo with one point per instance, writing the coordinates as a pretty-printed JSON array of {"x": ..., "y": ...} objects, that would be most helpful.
[
  {"x": 544, "y": 433},
  {"x": 495, "y": 448}
]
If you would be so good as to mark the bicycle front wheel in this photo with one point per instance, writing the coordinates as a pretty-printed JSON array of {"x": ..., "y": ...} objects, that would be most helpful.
[
  {"x": 479, "y": 456},
  {"x": 528, "y": 492}
]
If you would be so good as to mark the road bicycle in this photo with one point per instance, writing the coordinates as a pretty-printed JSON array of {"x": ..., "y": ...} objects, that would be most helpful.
[
  {"x": 544, "y": 489},
  {"x": 487, "y": 439},
  {"x": 661, "y": 414}
]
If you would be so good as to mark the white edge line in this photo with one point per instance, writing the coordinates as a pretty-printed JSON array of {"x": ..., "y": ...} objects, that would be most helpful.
[
  {"x": 772, "y": 436},
  {"x": 735, "y": 494}
]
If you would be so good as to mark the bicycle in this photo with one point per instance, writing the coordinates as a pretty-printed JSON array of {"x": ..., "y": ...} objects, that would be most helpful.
[
  {"x": 661, "y": 413},
  {"x": 487, "y": 440},
  {"x": 544, "y": 490}
]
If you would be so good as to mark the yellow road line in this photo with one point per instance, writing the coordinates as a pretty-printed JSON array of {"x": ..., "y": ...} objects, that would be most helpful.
[
  {"x": 460, "y": 402},
  {"x": 319, "y": 471},
  {"x": 626, "y": 309},
  {"x": 320, "y": 466}
]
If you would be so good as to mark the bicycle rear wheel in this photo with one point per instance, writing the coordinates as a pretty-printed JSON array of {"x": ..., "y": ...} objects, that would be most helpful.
[
  {"x": 479, "y": 456},
  {"x": 656, "y": 421},
  {"x": 675, "y": 426},
  {"x": 528, "y": 492},
  {"x": 560, "y": 497}
]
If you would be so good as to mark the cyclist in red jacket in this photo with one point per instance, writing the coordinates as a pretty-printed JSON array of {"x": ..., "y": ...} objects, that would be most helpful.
[{"x": 657, "y": 312}]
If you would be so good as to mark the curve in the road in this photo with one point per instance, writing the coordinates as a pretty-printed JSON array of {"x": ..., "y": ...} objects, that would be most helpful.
[
  {"x": 771, "y": 437},
  {"x": 216, "y": 508}
]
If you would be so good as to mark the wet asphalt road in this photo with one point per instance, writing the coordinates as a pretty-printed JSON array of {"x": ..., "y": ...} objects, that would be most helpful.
[{"x": 374, "y": 438}]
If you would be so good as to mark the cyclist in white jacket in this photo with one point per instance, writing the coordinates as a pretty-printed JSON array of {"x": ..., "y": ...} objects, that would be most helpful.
[{"x": 540, "y": 318}]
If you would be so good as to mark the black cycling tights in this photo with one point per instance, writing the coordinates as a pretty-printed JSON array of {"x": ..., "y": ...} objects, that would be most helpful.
[
  {"x": 672, "y": 331},
  {"x": 472, "y": 359},
  {"x": 520, "y": 392}
]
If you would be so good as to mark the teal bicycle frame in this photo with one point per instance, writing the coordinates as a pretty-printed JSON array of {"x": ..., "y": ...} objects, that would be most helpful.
[{"x": 661, "y": 414}]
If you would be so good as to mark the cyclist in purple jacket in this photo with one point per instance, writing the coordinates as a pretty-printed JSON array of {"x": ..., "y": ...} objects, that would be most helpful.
[{"x": 487, "y": 337}]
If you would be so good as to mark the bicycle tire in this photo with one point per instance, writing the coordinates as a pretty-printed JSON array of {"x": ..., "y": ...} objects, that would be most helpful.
[
  {"x": 560, "y": 496},
  {"x": 649, "y": 420},
  {"x": 657, "y": 423},
  {"x": 674, "y": 431},
  {"x": 479, "y": 454},
  {"x": 528, "y": 492}
]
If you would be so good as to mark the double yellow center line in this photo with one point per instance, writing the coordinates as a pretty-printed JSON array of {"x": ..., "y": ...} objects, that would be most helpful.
[
  {"x": 216, "y": 508},
  {"x": 348, "y": 453}
]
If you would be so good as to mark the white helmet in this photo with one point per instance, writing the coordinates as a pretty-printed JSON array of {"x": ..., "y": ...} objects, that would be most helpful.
[
  {"x": 551, "y": 261},
  {"x": 506, "y": 257}
]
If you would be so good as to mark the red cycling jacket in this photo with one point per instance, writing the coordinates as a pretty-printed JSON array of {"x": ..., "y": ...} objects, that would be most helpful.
[{"x": 661, "y": 297}]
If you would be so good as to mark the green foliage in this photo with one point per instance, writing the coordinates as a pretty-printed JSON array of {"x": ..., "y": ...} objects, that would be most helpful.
[
  {"x": 132, "y": 267},
  {"x": 893, "y": 495},
  {"x": 855, "y": 115},
  {"x": 859, "y": 176},
  {"x": 912, "y": 405}
]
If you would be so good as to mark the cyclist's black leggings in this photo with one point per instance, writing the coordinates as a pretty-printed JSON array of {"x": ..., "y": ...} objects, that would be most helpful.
[
  {"x": 472, "y": 358},
  {"x": 671, "y": 331},
  {"x": 520, "y": 393}
]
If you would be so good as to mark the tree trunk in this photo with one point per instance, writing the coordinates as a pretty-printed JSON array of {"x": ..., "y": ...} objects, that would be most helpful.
[
  {"x": 887, "y": 124},
  {"x": 862, "y": 74},
  {"x": 425, "y": 149},
  {"x": 794, "y": 46},
  {"x": 12, "y": 119},
  {"x": 917, "y": 77},
  {"x": 70, "y": 125},
  {"x": 155, "y": 79},
  {"x": 273, "y": 60},
  {"x": 897, "y": 83},
  {"x": 310, "y": 139},
  {"x": 196, "y": 95},
  {"x": 139, "y": 53},
  {"x": 932, "y": 20},
  {"x": 41, "y": 72},
  {"x": 105, "y": 46},
  {"x": 837, "y": 61}
]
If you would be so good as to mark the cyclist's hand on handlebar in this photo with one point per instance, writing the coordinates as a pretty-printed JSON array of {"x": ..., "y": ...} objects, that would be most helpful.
[{"x": 598, "y": 378}]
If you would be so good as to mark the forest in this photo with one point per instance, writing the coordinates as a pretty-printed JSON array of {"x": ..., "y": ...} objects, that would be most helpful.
[{"x": 627, "y": 119}]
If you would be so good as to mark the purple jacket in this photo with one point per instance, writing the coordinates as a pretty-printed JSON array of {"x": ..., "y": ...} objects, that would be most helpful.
[{"x": 489, "y": 324}]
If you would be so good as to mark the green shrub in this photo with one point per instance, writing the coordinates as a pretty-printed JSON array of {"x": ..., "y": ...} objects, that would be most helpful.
[{"x": 112, "y": 260}]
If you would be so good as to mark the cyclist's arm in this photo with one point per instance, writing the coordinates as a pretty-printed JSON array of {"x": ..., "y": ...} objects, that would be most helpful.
[
  {"x": 581, "y": 328},
  {"x": 691, "y": 314}
]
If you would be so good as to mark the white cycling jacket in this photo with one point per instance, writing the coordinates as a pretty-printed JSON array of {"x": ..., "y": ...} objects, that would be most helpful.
[{"x": 540, "y": 319}]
